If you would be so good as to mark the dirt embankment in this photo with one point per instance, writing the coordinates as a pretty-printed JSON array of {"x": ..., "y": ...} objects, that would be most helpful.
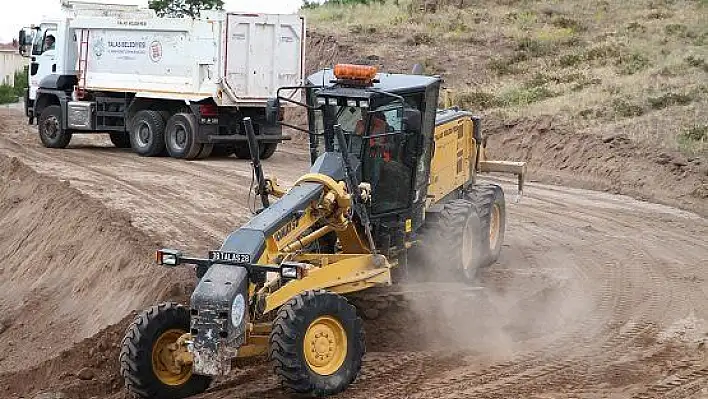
[
  {"x": 608, "y": 290},
  {"x": 71, "y": 267},
  {"x": 612, "y": 162},
  {"x": 606, "y": 159}
]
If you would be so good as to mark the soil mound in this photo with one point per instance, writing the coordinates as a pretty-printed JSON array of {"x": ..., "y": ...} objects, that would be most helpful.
[{"x": 71, "y": 267}]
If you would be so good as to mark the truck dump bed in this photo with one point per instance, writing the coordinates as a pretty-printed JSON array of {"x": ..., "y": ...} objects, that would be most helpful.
[
  {"x": 263, "y": 52},
  {"x": 238, "y": 59}
]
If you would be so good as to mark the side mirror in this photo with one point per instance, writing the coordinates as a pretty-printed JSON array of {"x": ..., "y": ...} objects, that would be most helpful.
[
  {"x": 273, "y": 111},
  {"x": 412, "y": 120},
  {"x": 22, "y": 36}
]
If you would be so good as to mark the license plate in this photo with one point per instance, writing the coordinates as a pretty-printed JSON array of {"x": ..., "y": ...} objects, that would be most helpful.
[{"x": 231, "y": 257}]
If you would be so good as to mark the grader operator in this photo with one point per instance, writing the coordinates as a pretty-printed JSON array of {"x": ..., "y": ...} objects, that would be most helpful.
[{"x": 390, "y": 175}]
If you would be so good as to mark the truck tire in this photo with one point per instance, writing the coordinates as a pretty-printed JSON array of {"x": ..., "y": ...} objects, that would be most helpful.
[
  {"x": 268, "y": 149},
  {"x": 317, "y": 343},
  {"x": 222, "y": 151},
  {"x": 147, "y": 133},
  {"x": 242, "y": 151},
  {"x": 491, "y": 207},
  {"x": 206, "y": 151},
  {"x": 50, "y": 131},
  {"x": 454, "y": 240},
  {"x": 181, "y": 136},
  {"x": 142, "y": 364},
  {"x": 120, "y": 140}
]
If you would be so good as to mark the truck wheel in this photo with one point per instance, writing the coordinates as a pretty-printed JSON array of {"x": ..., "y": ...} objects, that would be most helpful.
[
  {"x": 146, "y": 364},
  {"x": 491, "y": 207},
  {"x": 242, "y": 151},
  {"x": 317, "y": 343},
  {"x": 147, "y": 133},
  {"x": 206, "y": 151},
  {"x": 50, "y": 130},
  {"x": 454, "y": 240},
  {"x": 268, "y": 149},
  {"x": 120, "y": 140},
  {"x": 222, "y": 151},
  {"x": 181, "y": 135}
]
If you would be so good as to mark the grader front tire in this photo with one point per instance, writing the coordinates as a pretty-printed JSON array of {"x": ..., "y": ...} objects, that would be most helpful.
[
  {"x": 142, "y": 356},
  {"x": 317, "y": 343}
]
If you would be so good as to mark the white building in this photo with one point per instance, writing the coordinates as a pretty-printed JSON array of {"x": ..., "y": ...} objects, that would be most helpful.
[{"x": 10, "y": 62}]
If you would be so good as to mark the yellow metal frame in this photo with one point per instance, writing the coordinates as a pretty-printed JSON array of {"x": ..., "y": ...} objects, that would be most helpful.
[
  {"x": 455, "y": 164},
  {"x": 337, "y": 273},
  {"x": 454, "y": 158},
  {"x": 456, "y": 161}
]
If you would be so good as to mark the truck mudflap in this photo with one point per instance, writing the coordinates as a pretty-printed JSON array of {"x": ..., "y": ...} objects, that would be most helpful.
[{"x": 219, "y": 313}]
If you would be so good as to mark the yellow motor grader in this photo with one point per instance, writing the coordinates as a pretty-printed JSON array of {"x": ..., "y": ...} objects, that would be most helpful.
[{"x": 392, "y": 180}]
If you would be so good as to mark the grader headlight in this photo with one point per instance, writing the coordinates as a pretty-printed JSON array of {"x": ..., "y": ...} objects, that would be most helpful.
[{"x": 168, "y": 257}]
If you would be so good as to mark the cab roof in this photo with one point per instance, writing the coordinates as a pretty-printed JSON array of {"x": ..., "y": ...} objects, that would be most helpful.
[{"x": 387, "y": 82}]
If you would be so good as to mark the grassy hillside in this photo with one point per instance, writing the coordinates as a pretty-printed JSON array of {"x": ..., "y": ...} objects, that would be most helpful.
[{"x": 638, "y": 68}]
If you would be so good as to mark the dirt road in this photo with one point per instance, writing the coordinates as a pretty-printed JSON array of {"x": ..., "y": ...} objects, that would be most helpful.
[{"x": 595, "y": 295}]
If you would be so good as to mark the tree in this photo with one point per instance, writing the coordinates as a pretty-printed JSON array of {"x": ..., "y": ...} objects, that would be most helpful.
[{"x": 181, "y": 8}]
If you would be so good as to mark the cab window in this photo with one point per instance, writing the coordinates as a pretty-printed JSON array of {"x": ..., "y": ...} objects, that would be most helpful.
[
  {"x": 41, "y": 44},
  {"x": 385, "y": 165}
]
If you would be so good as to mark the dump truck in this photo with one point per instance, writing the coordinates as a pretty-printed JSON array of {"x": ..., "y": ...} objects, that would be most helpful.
[
  {"x": 393, "y": 185},
  {"x": 156, "y": 85}
]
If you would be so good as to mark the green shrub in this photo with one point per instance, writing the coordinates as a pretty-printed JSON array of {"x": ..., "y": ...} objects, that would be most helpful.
[
  {"x": 504, "y": 66},
  {"x": 539, "y": 79},
  {"x": 636, "y": 27},
  {"x": 476, "y": 100},
  {"x": 21, "y": 82},
  {"x": 7, "y": 94},
  {"x": 561, "y": 21},
  {"x": 693, "y": 139},
  {"x": 631, "y": 63},
  {"x": 525, "y": 95},
  {"x": 568, "y": 60},
  {"x": 669, "y": 99},
  {"x": 626, "y": 109},
  {"x": 419, "y": 38},
  {"x": 659, "y": 14},
  {"x": 603, "y": 52},
  {"x": 697, "y": 62},
  {"x": 315, "y": 4},
  {"x": 679, "y": 30},
  {"x": 696, "y": 133},
  {"x": 534, "y": 47}
]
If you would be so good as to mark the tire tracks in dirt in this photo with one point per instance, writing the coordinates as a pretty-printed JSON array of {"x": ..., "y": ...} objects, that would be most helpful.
[{"x": 587, "y": 287}]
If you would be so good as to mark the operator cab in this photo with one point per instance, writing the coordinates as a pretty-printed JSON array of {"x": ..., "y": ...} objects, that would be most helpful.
[{"x": 388, "y": 122}]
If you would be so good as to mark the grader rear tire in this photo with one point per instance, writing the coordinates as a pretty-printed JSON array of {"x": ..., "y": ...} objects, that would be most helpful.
[
  {"x": 451, "y": 245},
  {"x": 142, "y": 355},
  {"x": 317, "y": 343},
  {"x": 491, "y": 207}
]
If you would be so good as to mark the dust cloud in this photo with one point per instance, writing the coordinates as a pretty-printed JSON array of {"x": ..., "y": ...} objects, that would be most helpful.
[{"x": 506, "y": 313}]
